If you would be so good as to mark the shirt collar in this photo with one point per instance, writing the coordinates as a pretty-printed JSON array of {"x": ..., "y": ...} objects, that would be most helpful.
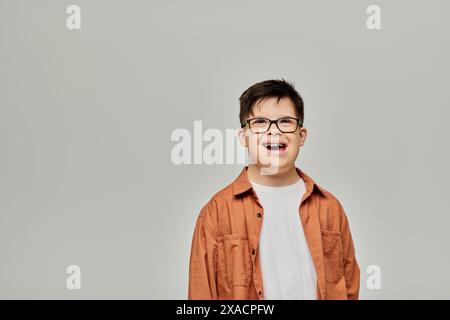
[{"x": 242, "y": 184}]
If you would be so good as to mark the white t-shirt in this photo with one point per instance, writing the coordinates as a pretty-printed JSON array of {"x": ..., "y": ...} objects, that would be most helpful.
[{"x": 287, "y": 268}]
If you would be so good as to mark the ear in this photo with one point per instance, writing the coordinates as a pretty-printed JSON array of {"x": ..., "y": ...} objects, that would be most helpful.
[
  {"x": 241, "y": 137},
  {"x": 303, "y": 133}
]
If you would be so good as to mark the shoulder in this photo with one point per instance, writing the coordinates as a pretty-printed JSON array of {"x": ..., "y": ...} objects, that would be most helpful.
[
  {"x": 319, "y": 195},
  {"x": 325, "y": 197},
  {"x": 219, "y": 202},
  {"x": 329, "y": 207}
]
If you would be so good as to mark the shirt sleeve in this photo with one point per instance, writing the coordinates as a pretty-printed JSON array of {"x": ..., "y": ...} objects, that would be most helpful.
[
  {"x": 351, "y": 267},
  {"x": 203, "y": 261}
]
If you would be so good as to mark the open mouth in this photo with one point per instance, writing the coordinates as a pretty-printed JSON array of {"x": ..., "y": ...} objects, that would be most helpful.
[{"x": 275, "y": 146}]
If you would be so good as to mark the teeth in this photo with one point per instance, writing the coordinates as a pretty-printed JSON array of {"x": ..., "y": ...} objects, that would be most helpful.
[{"x": 274, "y": 145}]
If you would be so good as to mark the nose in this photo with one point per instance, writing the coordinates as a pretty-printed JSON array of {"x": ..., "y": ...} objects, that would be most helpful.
[{"x": 273, "y": 129}]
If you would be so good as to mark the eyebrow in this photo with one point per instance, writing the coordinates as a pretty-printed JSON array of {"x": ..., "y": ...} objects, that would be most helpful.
[{"x": 284, "y": 116}]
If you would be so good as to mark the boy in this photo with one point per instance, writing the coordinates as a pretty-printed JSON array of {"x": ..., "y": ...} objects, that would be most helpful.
[{"x": 273, "y": 233}]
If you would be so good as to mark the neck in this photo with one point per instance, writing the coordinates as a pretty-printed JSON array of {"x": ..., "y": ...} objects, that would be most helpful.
[{"x": 281, "y": 179}]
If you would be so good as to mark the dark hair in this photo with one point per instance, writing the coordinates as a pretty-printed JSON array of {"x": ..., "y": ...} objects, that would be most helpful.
[{"x": 269, "y": 89}]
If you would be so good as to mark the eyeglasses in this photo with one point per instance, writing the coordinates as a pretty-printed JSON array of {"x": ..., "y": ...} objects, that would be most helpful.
[{"x": 262, "y": 125}]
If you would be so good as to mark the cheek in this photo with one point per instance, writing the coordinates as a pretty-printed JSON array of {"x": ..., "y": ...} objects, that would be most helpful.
[
  {"x": 253, "y": 143},
  {"x": 296, "y": 140},
  {"x": 294, "y": 145}
]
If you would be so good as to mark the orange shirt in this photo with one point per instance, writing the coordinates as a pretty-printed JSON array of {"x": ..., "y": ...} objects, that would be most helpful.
[{"x": 224, "y": 260}]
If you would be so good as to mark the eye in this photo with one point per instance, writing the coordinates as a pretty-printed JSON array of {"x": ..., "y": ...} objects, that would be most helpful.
[
  {"x": 286, "y": 120},
  {"x": 259, "y": 121}
]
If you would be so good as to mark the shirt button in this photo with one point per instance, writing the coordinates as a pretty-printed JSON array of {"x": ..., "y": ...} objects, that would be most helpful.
[{"x": 258, "y": 215}]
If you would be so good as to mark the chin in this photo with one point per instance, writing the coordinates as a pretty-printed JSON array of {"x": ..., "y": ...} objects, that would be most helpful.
[{"x": 274, "y": 168}]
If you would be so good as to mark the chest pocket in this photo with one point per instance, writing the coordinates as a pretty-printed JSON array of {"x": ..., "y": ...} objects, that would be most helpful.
[
  {"x": 333, "y": 255},
  {"x": 234, "y": 260}
]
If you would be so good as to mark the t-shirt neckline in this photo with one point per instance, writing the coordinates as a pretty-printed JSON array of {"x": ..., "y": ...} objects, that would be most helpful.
[{"x": 290, "y": 187}]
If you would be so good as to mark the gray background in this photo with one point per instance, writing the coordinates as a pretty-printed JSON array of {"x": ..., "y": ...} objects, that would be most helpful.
[{"x": 86, "y": 117}]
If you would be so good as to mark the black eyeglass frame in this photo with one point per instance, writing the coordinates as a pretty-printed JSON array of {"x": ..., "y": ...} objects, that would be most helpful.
[{"x": 247, "y": 122}]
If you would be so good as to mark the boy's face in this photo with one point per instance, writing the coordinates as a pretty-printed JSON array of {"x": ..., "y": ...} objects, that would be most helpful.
[{"x": 263, "y": 154}]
